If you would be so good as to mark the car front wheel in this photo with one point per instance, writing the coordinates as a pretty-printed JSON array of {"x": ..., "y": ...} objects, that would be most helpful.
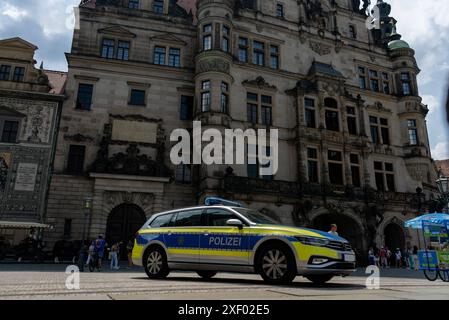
[
  {"x": 276, "y": 264},
  {"x": 155, "y": 263}
]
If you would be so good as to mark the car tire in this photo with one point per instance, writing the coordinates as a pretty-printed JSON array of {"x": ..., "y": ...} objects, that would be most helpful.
[
  {"x": 207, "y": 274},
  {"x": 276, "y": 264},
  {"x": 320, "y": 279},
  {"x": 155, "y": 263}
]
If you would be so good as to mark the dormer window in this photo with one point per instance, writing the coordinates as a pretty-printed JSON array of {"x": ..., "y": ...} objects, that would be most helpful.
[
  {"x": 19, "y": 74},
  {"x": 5, "y": 72}
]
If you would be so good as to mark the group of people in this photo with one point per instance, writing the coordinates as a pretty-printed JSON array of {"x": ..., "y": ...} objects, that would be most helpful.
[
  {"x": 97, "y": 249},
  {"x": 385, "y": 258}
]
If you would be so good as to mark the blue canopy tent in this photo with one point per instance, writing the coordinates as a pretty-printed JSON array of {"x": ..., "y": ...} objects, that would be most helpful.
[{"x": 437, "y": 218}]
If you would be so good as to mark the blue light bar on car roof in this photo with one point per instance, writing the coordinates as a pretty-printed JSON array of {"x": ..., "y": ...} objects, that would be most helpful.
[{"x": 214, "y": 201}]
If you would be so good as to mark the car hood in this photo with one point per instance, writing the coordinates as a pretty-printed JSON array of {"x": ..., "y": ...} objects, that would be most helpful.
[{"x": 296, "y": 231}]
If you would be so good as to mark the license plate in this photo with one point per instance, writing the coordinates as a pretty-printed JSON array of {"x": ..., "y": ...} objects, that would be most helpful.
[{"x": 349, "y": 258}]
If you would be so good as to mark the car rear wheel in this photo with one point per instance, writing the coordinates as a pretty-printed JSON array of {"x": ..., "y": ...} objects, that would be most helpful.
[
  {"x": 320, "y": 279},
  {"x": 207, "y": 274},
  {"x": 276, "y": 264},
  {"x": 155, "y": 263}
]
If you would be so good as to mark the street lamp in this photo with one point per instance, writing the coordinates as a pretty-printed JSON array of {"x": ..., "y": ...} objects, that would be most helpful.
[
  {"x": 82, "y": 253},
  {"x": 443, "y": 187}
]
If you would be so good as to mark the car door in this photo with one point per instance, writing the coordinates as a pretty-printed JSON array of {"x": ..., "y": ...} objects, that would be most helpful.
[
  {"x": 221, "y": 244},
  {"x": 183, "y": 237}
]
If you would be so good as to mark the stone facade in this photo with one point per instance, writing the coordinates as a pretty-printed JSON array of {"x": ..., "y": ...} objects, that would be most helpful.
[
  {"x": 143, "y": 66},
  {"x": 29, "y": 111}
]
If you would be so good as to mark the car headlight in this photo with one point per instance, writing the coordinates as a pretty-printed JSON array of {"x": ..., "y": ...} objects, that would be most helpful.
[{"x": 317, "y": 242}]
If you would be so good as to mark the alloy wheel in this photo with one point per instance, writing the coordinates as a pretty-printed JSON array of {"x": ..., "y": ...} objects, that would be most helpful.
[{"x": 274, "y": 264}]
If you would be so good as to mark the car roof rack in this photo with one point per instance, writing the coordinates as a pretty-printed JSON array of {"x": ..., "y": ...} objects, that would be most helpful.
[{"x": 215, "y": 201}]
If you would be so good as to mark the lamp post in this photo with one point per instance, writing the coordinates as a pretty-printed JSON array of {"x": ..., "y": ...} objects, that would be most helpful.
[
  {"x": 83, "y": 251},
  {"x": 443, "y": 187}
]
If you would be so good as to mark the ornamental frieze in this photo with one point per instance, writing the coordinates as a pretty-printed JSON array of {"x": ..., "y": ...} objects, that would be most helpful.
[
  {"x": 213, "y": 65},
  {"x": 320, "y": 48}
]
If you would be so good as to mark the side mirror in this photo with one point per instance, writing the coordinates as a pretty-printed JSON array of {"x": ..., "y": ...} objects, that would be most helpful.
[{"x": 235, "y": 223}]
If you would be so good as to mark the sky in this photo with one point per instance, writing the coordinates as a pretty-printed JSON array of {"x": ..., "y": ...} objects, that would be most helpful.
[{"x": 422, "y": 23}]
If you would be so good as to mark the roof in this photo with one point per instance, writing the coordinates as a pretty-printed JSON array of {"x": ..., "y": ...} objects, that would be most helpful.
[
  {"x": 57, "y": 81},
  {"x": 398, "y": 44},
  {"x": 23, "y": 225},
  {"x": 324, "y": 69},
  {"x": 443, "y": 166}
]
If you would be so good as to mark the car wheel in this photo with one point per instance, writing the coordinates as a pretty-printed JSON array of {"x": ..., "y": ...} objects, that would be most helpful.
[
  {"x": 207, "y": 274},
  {"x": 276, "y": 264},
  {"x": 320, "y": 279},
  {"x": 155, "y": 263}
]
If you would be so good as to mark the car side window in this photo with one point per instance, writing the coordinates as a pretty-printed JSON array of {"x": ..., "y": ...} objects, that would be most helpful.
[
  {"x": 161, "y": 221},
  {"x": 219, "y": 217},
  {"x": 190, "y": 218}
]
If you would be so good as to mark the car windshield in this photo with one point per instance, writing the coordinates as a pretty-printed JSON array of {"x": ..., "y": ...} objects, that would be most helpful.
[{"x": 256, "y": 216}]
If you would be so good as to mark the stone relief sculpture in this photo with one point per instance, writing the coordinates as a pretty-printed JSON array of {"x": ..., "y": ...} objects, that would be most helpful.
[
  {"x": 4, "y": 167},
  {"x": 316, "y": 14}
]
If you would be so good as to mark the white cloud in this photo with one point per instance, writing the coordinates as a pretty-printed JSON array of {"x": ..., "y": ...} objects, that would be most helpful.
[
  {"x": 441, "y": 151},
  {"x": 432, "y": 102},
  {"x": 13, "y": 12}
]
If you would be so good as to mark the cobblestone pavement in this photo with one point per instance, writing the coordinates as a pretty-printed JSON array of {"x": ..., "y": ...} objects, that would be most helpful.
[{"x": 27, "y": 281}]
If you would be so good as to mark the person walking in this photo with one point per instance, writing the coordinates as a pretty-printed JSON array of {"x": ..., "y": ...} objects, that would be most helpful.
[
  {"x": 383, "y": 257},
  {"x": 129, "y": 249},
  {"x": 333, "y": 230},
  {"x": 398, "y": 257},
  {"x": 100, "y": 245},
  {"x": 415, "y": 258},
  {"x": 371, "y": 257},
  {"x": 114, "y": 256},
  {"x": 91, "y": 252},
  {"x": 388, "y": 255}
]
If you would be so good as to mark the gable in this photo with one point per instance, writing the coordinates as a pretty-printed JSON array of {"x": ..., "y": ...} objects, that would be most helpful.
[
  {"x": 9, "y": 112},
  {"x": 117, "y": 31},
  {"x": 169, "y": 38},
  {"x": 18, "y": 43}
]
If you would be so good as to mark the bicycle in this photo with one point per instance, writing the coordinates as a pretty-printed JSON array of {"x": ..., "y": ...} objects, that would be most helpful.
[{"x": 434, "y": 274}]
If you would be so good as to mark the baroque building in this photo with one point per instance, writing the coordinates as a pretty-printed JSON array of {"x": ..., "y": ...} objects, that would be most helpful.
[
  {"x": 353, "y": 143},
  {"x": 30, "y": 103}
]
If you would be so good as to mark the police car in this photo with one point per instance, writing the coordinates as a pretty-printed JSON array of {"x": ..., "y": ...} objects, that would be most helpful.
[{"x": 223, "y": 236}]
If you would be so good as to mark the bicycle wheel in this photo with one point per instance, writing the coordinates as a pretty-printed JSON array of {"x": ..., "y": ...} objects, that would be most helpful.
[
  {"x": 431, "y": 275},
  {"x": 444, "y": 275}
]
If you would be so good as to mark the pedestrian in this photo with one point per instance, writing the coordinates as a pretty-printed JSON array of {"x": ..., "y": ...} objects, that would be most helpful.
[
  {"x": 383, "y": 257},
  {"x": 333, "y": 230},
  {"x": 388, "y": 257},
  {"x": 415, "y": 258},
  {"x": 114, "y": 256},
  {"x": 409, "y": 258},
  {"x": 371, "y": 257},
  {"x": 91, "y": 252},
  {"x": 398, "y": 256},
  {"x": 129, "y": 249},
  {"x": 100, "y": 245}
]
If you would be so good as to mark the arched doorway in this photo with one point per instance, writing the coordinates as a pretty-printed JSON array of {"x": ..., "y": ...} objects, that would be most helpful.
[
  {"x": 348, "y": 228},
  {"x": 394, "y": 237},
  {"x": 123, "y": 223}
]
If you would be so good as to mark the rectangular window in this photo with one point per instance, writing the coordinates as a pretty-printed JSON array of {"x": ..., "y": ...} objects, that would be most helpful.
[
  {"x": 266, "y": 116},
  {"x": 332, "y": 120},
  {"x": 186, "y": 110},
  {"x": 123, "y": 50},
  {"x": 19, "y": 74},
  {"x": 352, "y": 32},
  {"x": 158, "y": 6},
  {"x": 310, "y": 113},
  {"x": 379, "y": 125},
  {"x": 374, "y": 80},
  {"x": 10, "y": 130},
  {"x": 362, "y": 78},
  {"x": 224, "y": 97},
  {"x": 335, "y": 167},
  {"x": 406, "y": 84},
  {"x": 312, "y": 165},
  {"x": 274, "y": 57},
  {"x": 252, "y": 165},
  {"x": 5, "y": 72},
  {"x": 225, "y": 40},
  {"x": 183, "y": 174},
  {"x": 243, "y": 50},
  {"x": 67, "y": 227},
  {"x": 133, "y": 4},
  {"x": 174, "y": 58},
  {"x": 107, "y": 48},
  {"x": 84, "y": 97},
  {"x": 207, "y": 43},
  {"x": 280, "y": 10},
  {"x": 159, "y": 55},
  {"x": 385, "y": 131},
  {"x": 412, "y": 132},
  {"x": 380, "y": 185},
  {"x": 252, "y": 113},
  {"x": 386, "y": 83},
  {"x": 258, "y": 53},
  {"x": 205, "y": 96},
  {"x": 390, "y": 182},
  {"x": 355, "y": 170},
  {"x": 75, "y": 163},
  {"x": 207, "y": 28},
  {"x": 137, "y": 97},
  {"x": 384, "y": 173},
  {"x": 352, "y": 120}
]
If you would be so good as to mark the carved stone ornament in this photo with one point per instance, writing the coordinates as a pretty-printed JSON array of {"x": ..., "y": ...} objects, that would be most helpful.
[
  {"x": 213, "y": 65},
  {"x": 320, "y": 48},
  {"x": 78, "y": 138},
  {"x": 260, "y": 83}
]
